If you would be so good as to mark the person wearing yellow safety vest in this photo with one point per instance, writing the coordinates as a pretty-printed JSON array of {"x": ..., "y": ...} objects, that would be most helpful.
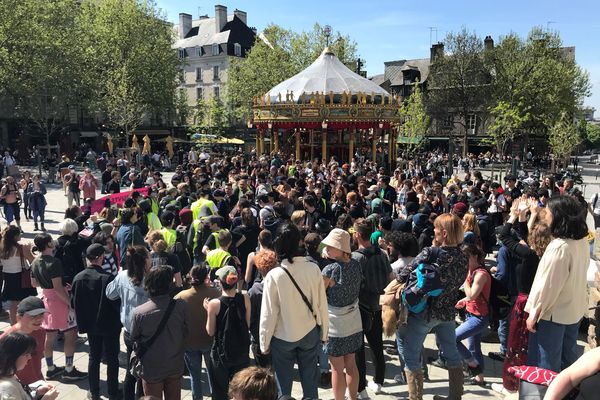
[
  {"x": 200, "y": 233},
  {"x": 203, "y": 201},
  {"x": 168, "y": 232},
  {"x": 212, "y": 242},
  {"x": 154, "y": 223},
  {"x": 221, "y": 256}
]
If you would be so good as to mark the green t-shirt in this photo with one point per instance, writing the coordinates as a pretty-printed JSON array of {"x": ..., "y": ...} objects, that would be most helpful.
[
  {"x": 45, "y": 268},
  {"x": 375, "y": 237}
]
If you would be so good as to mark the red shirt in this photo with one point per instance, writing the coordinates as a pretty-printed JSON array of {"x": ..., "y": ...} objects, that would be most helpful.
[
  {"x": 33, "y": 370},
  {"x": 479, "y": 306}
]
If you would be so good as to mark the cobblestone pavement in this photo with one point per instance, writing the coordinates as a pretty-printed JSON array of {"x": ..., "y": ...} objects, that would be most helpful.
[{"x": 391, "y": 390}]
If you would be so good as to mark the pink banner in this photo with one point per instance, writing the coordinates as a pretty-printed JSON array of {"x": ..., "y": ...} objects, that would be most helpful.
[{"x": 117, "y": 198}]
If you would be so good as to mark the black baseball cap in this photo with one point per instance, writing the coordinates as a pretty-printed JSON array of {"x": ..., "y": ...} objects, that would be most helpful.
[
  {"x": 31, "y": 306},
  {"x": 94, "y": 251}
]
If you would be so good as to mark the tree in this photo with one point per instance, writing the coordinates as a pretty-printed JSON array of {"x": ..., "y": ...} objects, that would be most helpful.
[
  {"x": 132, "y": 67},
  {"x": 536, "y": 78},
  {"x": 415, "y": 119},
  {"x": 41, "y": 61},
  {"x": 279, "y": 55},
  {"x": 459, "y": 82},
  {"x": 505, "y": 126},
  {"x": 216, "y": 118},
  {"x": 591, "y": 132},
  {"x": 182, "y": 107},
  {"x": 563, "y": 137}
]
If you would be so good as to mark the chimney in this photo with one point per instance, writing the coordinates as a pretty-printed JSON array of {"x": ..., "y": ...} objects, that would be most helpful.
[
  {"x": 254, "y": 30},
  {"x": 205, "y": 16},
  {"x": 437, "y": 50},
  {"x": 185, "y": 24},
  {"x": 241, "y": 15},
  {"x": 220, "y": 17},
  {"x": 488, "y": 42}
]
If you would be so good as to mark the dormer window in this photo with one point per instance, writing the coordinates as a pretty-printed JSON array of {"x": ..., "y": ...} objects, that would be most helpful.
[
  {"x": 237, "y": 50},
  {"x": 199, "y": 51},
  {"x": 215, "y": 49}
]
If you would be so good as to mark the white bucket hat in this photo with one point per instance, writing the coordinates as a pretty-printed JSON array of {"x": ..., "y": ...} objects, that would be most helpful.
[{"x": 338, "y": 239}]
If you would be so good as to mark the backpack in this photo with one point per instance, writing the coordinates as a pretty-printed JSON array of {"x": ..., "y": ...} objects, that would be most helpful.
[
  {"x": 423, "y": 283},
  {"x": 499, "y": 303},
  {"x": 233, "y": 339},
  {"x": 71, "y": 257},
  {"x": 180, "y": 250},
  {"x": 488, "y": 235}
]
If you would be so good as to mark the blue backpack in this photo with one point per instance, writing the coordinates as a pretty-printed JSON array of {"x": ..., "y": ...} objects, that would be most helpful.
[{"x": 423, "y": 284}]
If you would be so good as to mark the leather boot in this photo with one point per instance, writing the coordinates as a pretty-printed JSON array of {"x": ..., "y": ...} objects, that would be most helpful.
[
  {"x": 414, "y": 382},
  {"x": 35, "y": 226},
  {"x": 43, "y": 227},
  {"x": 455, "y": 384}
]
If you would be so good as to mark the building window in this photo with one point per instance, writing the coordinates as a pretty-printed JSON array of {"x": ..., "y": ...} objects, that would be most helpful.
[
  {"x": 216, "y": 73},
  {"x": 198, "y": 74},
  {"x": 181, "y": 53},
  {"x": 448, "y": 122},
  {"x": 199, "y": 51},
  {"x": 471, "y": 123},
  {"x": 215, "y": 49},
  {"x": 199, "y": 93},
  {"x": 237, "y": 50},
  {"x": 216, "y": 92}
]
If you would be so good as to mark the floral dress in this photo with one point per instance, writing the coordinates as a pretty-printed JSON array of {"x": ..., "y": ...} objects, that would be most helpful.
[{"x": 347, "y": 278}]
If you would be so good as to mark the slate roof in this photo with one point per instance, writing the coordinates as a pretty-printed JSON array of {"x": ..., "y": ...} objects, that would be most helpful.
[
  {"x": 394, "y": 70},
  {"x": 203, "y": 33}
]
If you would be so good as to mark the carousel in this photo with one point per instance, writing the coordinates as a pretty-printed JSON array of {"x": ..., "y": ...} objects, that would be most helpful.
[{"x": 327, "y": 110}]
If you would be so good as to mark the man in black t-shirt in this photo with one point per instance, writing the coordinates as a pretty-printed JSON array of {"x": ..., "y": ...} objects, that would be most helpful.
[{"x": 114, "y": 186}]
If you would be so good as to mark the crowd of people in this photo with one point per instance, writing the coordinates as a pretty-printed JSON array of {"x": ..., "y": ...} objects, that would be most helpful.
[{"x": 240, "y": 260}]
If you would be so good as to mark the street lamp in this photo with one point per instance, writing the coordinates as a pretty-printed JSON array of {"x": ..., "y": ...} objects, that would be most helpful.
[
  {"x": 324, "y": 124},
  {"x": 270, "y": 125},
  {"x": 380, "y": 124},
  {"x": 250, "y": 124}
]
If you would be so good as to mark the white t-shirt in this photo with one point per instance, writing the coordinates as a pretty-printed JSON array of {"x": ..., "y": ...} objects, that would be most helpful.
[
  {"x": 595, "y": 203},
  {"x": 12, "y": 265},
  {"x": 493, "y": 207}
]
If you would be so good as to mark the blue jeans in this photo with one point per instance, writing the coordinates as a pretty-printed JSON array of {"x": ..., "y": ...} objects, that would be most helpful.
[
  {"x": 553, "y": 346},
  {"x": 305, "y": 352},
  {"x": 471, "y": 330},
  {"x": 411, "y": 339},
  {"x": 193, "y": 361},
  {"x": 503, "y": 326}
]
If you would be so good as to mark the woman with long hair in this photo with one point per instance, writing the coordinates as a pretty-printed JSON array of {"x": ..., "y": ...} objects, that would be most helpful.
[
  {"x": 265, "y": 242},
  {"x": 15, "y": 259},
  {"x": 129, "y": 288},
  {"x": 248, "y": 233},
  {"x": 439, "y": 316},
  {"x": 15, "y": 352},
  {"x": 36, "y": 192},
  {"x": 538, "y": 236},
  {"x": 558, "y": 298},
  {"x": 24, "y": 183},
  {"x": 472, "y": 232}
]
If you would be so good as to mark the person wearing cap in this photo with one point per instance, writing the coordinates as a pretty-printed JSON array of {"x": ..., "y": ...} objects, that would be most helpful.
[
  {"x": 221, "y": 256},
  {"x": 98, "y": 317},
  {"x": 235, "y": 308},
  {"x": 460, "y": 209},
  {"x": 30, "y": 316},
  {"x": 215, "y": 223},
  {"x": 72, "y": 180},
  {"x": 343, "y": 279}
]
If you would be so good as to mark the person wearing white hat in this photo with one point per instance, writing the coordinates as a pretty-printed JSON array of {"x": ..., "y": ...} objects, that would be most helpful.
[{"x": 342, "y": 278}]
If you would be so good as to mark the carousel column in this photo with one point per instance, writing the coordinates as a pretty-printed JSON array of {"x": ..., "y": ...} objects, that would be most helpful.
[
  {"x": 312, "y": 142},
  {"x": 275, "y": 139},
  {"x": 374, "y": 146},
  {"x": 351, "y": 145},
  {"x": 297, "y": 144},
  {"x": 261, "y": 142},
  {"x": 324, "y": 145},
  {"x": 272, "y": 141}
]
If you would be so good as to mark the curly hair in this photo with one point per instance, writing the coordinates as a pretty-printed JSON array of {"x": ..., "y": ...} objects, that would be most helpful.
[
  {"x": 156, "y": 241},
  {"x": 9, "y": 241},
  {"x": 265, "y": 260},
  {"x": 540, "y": 235}
]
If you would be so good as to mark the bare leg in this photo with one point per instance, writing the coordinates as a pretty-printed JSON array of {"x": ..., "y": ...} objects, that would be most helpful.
[
  {"x": 49, "y": 345},
  {"x": 338, "y": 378},
  {"x": 351, "y": 375},
  {"x": 70, "y": 342}
]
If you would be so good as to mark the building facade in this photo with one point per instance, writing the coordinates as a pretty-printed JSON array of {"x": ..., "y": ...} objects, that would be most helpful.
[{"x": 207, "y": 46}]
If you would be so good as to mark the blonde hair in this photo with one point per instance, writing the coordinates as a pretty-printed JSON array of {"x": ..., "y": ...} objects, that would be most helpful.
[
  {"x": 470, "y": 224},
  {"x": 156, "y": 241},
  {"x": 453, "y": 227},
  {"x": 298, "y": 217}
]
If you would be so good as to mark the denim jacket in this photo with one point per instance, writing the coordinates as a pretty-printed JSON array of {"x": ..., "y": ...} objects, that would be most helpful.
[{"x": 130, "y": 295}]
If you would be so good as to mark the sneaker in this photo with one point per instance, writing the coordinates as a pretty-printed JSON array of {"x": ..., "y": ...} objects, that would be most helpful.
[
  {"x": 497, "y": 356},
  {"x": 392, "y": 351},
  {"x": 54, "y": 372},
  {"x": 74, "y": 375},
  {"x": 438, "y": 362},
  {"x": 374, "y": 386},
  {"x": 91, "y": 396},
  {"x": 363, "y": 395},
  {"x": 400, "y": 379},
  {"x": 499, "y": 388}
]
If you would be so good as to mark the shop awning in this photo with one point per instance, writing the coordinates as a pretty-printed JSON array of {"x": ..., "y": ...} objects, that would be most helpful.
[
  {"x": 150, "y": 132},
  {"x": 409, "y": 140}
]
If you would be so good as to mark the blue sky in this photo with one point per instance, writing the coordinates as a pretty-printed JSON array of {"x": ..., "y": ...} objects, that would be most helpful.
[{"x": 390, "y": 30}]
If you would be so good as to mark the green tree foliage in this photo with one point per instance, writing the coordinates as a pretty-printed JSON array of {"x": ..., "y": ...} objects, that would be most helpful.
[
  {"x": 415, "y": 119},
  {"x": 182, "y": 107},
  {"x": 41, "y": 62},
  {"x": 563, "y": 137},
  {"x": 537, "y": 78},
  {"x": 505, "y": 126},
  {"x": 591, "y": 132},
  {"x": 131, "y": 64},
  {"x": 216, "y": 118},
  {"x": 283, "y": 54},
  {"x": 459, "y": 81}
]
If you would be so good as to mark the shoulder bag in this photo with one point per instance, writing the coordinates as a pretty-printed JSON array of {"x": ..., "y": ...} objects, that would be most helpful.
[
  {"x": 304, "y": 298},
  {"x": 140, "y": 348},
  {"x": 25, "y": 272}
]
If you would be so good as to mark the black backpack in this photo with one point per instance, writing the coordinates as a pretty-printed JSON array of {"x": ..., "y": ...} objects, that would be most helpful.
[
  {"x": 180, "y": 250},
  {"x": 71, "y": 256},
  {"x": 233, "y": 339},
  {"x": 499, "y": 302}
]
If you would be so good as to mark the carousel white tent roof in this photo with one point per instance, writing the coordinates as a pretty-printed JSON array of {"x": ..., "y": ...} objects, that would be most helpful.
[{"x": 327, "y": 74}]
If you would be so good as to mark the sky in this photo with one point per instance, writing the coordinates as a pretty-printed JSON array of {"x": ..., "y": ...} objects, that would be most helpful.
[{"x": 387, "y": 30}]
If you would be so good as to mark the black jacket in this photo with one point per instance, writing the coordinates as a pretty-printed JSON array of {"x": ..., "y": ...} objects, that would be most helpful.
[{"x": 95, "y": 313}]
